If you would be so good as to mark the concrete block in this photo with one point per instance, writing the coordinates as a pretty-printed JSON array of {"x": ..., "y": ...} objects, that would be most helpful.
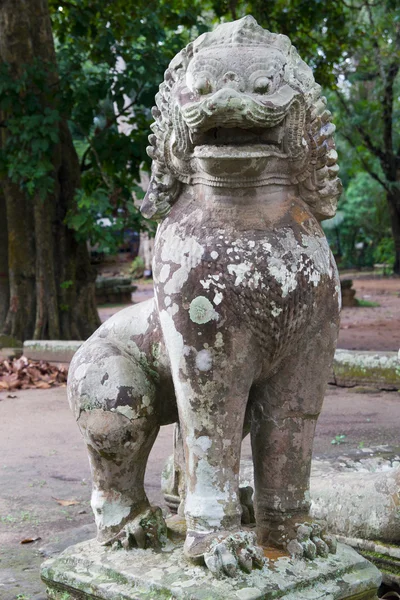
[
  {"x": 60, "y": 351},
  {"x": 355, "y": 367}
]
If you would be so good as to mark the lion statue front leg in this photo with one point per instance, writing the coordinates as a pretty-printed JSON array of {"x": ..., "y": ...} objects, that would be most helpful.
[
  {"x": 284, "y": 413},
  {"x": 212, "y": 388}
]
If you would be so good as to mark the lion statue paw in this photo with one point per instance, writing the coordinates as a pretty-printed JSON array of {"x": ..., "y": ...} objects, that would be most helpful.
[
  {"x": 311, "y": 541},
  {"x": 147, "y": 530},
  {"x": 225, "y": 553}
]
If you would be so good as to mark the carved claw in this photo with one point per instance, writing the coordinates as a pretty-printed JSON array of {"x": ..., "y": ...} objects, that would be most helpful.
[
  {"x": 147, "y": 530},
  {"x": 311, "y": 541},
  {"x": 235, "y": 552}
]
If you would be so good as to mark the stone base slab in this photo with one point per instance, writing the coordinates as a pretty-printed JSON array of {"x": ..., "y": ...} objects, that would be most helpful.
[
  {"x": 89, "y": 571},
  {"x": 385, "y": 556}
]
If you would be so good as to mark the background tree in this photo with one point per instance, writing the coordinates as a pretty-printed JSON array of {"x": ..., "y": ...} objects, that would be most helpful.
[
  {"x": 112, "y": 57},
  {"x": 51, "y": 283},
  {"x": 366, "y": 104},
  {"x": 360, "y": 234}
]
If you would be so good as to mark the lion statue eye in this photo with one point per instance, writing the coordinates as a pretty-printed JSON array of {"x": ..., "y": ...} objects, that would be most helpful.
[
  {"x": 262, "y": 85},
  {"x": 202, "y": 86}
]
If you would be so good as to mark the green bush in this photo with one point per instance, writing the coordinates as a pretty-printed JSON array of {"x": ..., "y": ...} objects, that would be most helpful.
[{"x": 137, "y": 268}]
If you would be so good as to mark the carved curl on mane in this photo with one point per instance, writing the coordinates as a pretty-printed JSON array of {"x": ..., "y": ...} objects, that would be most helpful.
[{"x": 170, "y": 148}]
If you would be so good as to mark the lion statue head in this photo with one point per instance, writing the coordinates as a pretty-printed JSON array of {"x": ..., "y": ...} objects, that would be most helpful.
[{"x": 239, "y": 108}]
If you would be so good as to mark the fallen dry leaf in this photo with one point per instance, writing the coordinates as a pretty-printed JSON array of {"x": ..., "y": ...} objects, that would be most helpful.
[
  {"x": 42, "y": 385},
  {"x": 21, "y": 373},
  {"x": 65, "y": 502},
  {"x": 30, "y": 540}
]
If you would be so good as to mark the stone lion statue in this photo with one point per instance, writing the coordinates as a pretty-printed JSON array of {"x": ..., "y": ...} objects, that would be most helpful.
[{"x": 241, "y": 333}]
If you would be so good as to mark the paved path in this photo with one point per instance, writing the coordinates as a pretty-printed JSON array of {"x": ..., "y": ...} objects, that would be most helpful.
[{"x": 42, "y": 457}]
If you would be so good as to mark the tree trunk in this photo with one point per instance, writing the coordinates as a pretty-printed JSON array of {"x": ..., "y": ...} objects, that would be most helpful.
[
  {"x": 20, "y": 317},
  {"x": 51, "y": 281},
  {"x": 4, "y": 283},
  {"x": 393, "y": 199}
]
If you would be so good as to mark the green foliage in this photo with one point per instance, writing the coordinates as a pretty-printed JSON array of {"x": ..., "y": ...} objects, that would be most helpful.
[
  {"x": 137, "y": 268},
  {"x": 361, "y": 224},
  {"x": 111, "y": 58},
  {"x": 339, "y": 439},
  {"x": 32, "y": 128},
  {"x": 384, "y": 251}
]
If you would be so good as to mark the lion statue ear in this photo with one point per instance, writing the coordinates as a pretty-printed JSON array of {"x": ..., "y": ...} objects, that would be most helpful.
[
  {"x": 318, "y": 182},
  {"x": 321, "y": 187},
  {"x": 164, "y": 187}
]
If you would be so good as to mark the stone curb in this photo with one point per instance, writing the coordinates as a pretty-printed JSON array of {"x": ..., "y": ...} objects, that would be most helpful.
[
  {"x": 59, "y": 351},
  {"x": 355, "y": 367},
  {"x": 385, "y": 557},
  {"x": 350, "y": 367}
]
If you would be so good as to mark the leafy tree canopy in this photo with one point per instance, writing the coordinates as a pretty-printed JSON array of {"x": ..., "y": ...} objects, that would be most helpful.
[{"x": 111, "y": 58}]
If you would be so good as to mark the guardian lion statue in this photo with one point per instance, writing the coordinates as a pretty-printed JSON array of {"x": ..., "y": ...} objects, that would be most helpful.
[{"x": 241, "y": 334}]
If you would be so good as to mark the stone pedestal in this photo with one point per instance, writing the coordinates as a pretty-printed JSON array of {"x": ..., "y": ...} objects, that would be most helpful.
[
  {"x": 89, "y": 571},
  {"x": 348, "y": 293}
]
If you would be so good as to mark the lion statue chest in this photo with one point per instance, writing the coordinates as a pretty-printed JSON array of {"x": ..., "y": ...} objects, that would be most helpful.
[{"x": 255, "y": 261}]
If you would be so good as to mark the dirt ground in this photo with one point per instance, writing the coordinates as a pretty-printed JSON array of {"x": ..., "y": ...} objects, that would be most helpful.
[{"x": 372, "y": 328}]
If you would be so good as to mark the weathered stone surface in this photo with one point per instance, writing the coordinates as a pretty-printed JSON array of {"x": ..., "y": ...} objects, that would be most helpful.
[
  {"x": 381, "y": 369},
  {"x": 386, "y": 557},
  {"x": 6, "y": 353},
  {"x": 114, "y": 290},
  {"x": 242, "y": 331},
  {"x": 362, "y": 508},
  {"x": 51, "y": 350},
  {"x": 88, "y": 571},
  {"x": 357, "y": 504},
  {"x": 359, "y": 501}
]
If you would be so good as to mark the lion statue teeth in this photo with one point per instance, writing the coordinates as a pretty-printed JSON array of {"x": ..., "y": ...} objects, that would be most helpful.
[{"x": 241, "y": 334}]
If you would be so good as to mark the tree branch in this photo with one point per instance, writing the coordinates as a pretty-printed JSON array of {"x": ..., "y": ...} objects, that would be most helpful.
[
  {"x": 365, "y": 136},
  {"x": 83, "y": 167},
  {"x": 364, "y": 162}
]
